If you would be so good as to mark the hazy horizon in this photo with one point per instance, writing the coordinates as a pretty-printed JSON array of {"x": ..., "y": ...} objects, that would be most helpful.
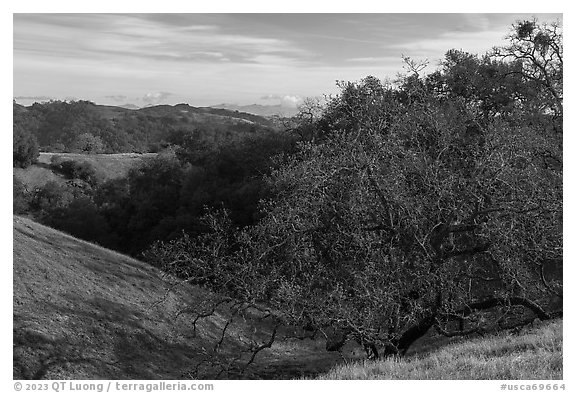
[{"x": 242, "y": 59}]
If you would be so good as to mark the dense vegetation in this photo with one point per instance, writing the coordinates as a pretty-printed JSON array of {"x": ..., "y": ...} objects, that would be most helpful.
[
  {"x": 434, "y": 201},
  {"x": 162, "y": 196},
  {"x": 210, "y": 157},
  {"x": 83, "y": 127},
  {"x": 25, "y": 145}
]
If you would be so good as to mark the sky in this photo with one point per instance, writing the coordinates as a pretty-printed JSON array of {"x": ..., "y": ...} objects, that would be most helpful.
[
  {"x": 243, "y": 59},
  {"x": 208, "y": 59}
]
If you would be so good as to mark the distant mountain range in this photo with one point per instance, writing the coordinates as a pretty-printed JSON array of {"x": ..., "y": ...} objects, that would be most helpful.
[
  {"x": 260, "y": 110},
  {"x": 202, "y": 114},
  {"x": 253, "y": 109},
  {"x": 58, "y": 124},
  {"x": 129, "y": 106}
]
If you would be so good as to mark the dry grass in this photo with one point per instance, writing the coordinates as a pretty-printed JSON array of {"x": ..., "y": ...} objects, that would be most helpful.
[
  {"x": 535, "y": 354},
  {"x": 108, "y": 166},
  {"x": 36, "y": 176},
  {"x": 82, "y": 312}
]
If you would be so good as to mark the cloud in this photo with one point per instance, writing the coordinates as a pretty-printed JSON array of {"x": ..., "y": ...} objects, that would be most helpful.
[
  {"x": 288, "y": 100},
  {"x": 98, "y": 37},
  {"x": 155, "y": 98},
  {"x": 433, "y": 47},
  {"x": 209, "y": 58},
  {"x": 33, "y": 98},
  {"x": 117, "y": 98},
  {"x": 291, "y": 101},
  {"x": 373, "y": 59},
  {"x": 271, "y": 97}
]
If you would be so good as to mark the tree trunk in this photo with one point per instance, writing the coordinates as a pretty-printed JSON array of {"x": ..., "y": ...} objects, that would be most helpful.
[
  {"x": 413, "y": 333},
  {"x": 371, "y": 351}
]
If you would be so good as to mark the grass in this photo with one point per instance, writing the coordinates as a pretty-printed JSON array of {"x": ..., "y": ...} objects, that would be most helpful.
[
  {"x": 535, "y": 354},
  {"x": 109, "y": 166},
  {"x": 81, "y": 311},
  {"x": 36, "y": 176}
]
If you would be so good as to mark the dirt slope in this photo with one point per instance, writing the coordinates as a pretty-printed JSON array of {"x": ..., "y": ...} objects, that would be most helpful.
[{"x": 84, "y": 312}]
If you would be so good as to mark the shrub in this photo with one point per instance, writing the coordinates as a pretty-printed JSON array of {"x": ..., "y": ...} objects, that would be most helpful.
[
  {"x": 25, "y": 147},
  {"x": 56, "y": 160},
  {"x": 56, "y": 147},
  {"x": 76, "y": 170},
  {"x": 88, "y": 143},
  {"x": 21, "y": 197},
  {"x": 80, "y": 218},
  {"x": 51, "y": 196}
]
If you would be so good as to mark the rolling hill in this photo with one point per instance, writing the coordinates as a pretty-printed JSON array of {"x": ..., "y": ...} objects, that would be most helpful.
[
  {"x": 108, "y": 166},
  {"x": 216, "y": 114},
  {"x": 205, "y": 114},
  {"x": 81, "y": 311},
  {"x": 58, "y": 125},
  {"x": 84, "y": 312},
  {"x": 261, "y": 110}
]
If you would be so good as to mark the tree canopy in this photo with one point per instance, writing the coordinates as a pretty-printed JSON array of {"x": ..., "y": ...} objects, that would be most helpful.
[
  {"x": 432, "y": 202},
  {"x": 24, "y": 148}
]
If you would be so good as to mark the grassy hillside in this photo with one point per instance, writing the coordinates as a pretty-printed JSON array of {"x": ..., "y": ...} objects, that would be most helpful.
[
  {"x": 36, "y": 176},
  {"x": 109, "y": 166},
  {"x": 81, "y": 312},
  {"x": 533, "y": 354}
]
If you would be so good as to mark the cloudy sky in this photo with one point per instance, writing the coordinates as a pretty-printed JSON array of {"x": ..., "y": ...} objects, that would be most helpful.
[{"x": 207, "y": 59}]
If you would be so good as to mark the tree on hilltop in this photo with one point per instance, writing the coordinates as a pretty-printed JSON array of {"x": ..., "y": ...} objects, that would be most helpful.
[{"x": 537, "y": 48}]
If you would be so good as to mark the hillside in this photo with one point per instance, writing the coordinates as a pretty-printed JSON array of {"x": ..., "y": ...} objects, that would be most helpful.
[
  {"x": 261, "y": 110},
  {"x": 108, "y": 166},
  {"x": 58, "y": 125},
  {"x": 200, "y": 114},
  {"x": 205, "y": 115},
  {"x": 36, "y": 176},
  {"x": 82, "y": 312},
  {"x": 534, "y": 354}
]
